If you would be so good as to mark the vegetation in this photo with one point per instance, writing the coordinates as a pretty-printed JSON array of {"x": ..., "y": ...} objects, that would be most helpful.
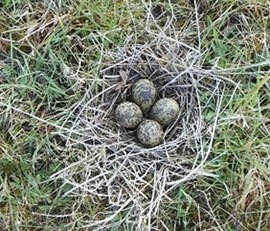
[{"x": 64, "y": 163}]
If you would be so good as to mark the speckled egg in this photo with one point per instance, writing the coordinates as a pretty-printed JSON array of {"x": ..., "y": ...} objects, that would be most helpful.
[
  {"x": 165, "y": 111},
  {"x": 150, "y": 133},
  {"x": 144, "y": 93},
  {"x": 128, "y": 115}
]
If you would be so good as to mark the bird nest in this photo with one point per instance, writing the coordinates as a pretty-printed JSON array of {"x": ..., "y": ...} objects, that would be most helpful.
[{"x": 130, "y": 181}]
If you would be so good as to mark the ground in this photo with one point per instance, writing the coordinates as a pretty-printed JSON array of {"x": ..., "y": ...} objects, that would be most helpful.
[{"x": 53, "y": 59}]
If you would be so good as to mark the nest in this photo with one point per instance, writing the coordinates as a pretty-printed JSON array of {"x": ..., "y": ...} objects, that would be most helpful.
[{"x": 128, "y": 180}]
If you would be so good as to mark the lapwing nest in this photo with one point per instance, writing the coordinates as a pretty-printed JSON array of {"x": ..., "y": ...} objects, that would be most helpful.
[{"x": 131, "y": 182}]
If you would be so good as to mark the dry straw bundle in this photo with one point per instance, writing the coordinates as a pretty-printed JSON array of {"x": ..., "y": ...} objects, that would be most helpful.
[{"x": 128, "y": 180}]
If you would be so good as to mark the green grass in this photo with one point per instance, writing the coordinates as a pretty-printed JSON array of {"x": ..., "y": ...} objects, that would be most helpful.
[{"x": 51, "y": 56}]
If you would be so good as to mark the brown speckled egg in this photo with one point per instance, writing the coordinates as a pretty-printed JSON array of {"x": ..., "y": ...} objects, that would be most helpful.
[
  {"x": 128, "y": 115},
  {"x": 165, "y": 111},
  {"x": 144, "y": 94},
  {"x": 150, "y": 133}
]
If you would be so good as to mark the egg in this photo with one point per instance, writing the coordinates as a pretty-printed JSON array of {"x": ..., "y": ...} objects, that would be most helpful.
[
  {"x": 144, "y": 93},
  {"x": 165, "y": 111},
  {"x": 128, "y": 115},
  {"x": 150, "y": 133}
]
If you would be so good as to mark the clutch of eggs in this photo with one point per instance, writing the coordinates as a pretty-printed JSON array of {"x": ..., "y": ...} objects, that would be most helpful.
[{"x": 162, "y": 112}]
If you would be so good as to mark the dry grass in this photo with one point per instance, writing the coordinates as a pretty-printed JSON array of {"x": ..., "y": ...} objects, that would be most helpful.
[{"x": 131, "y": 179}]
